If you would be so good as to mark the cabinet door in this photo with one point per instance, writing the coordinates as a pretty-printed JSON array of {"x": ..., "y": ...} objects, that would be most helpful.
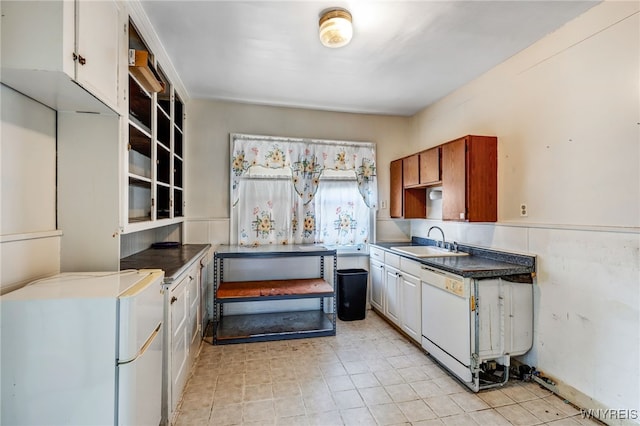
[
  {"x": 411, "y": 171},
  {"x": 98, "y": 35},
  {"x": 179, "y": 340},
  {"x": 178, "y": 198},
  {"x": 376, "y": 272},
  {"x": 482, "y": 179},
  {"x": 469, "y": 179},
  {"x": 194, "y": 311},
  {"x": 38, "y": 44},
  {"x": 411, "y": 306},
  {"x": 454, "y": 180},
  {"x": 430, "y": 166},
  {"x": 392, "y": 294},
  {"x": 396, "y": 189}
]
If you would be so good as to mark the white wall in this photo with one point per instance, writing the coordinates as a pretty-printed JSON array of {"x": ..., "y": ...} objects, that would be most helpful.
[
  {"x": 566, "y": 112},
  {"x": 209, "y": 124},
  {"x": 29, "y": 242}
]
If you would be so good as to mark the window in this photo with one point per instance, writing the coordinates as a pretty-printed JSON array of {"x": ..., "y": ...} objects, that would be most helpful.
[{"x": 293, "y": 191}]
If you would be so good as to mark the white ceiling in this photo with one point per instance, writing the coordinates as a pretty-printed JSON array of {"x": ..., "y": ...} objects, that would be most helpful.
[{"x": 404, "y": 54}]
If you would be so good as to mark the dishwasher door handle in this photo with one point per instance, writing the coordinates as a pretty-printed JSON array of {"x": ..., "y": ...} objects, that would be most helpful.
[{"x": 435, "y": 271}]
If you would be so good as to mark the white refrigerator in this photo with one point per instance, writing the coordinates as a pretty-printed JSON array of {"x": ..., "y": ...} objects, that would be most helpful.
[{"x": 83, "y": 349}]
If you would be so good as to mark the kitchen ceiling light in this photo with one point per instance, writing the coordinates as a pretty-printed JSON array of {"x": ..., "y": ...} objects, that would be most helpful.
[{"x": 335, "y": 27}]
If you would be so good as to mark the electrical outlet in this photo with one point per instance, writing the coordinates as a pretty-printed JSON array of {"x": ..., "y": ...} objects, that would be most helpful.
[
  {"x": 383, "y": 204},
  {"x": 523, "y": 210}
]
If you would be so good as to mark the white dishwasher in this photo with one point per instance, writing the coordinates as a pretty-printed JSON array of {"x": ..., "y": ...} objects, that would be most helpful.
[{"x": 473, "y": 327}]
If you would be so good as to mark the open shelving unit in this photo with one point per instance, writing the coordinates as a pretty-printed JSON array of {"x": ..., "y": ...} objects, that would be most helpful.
[
  {"x": 155, "y": 143},
  {"x": 274, "y": 325}
]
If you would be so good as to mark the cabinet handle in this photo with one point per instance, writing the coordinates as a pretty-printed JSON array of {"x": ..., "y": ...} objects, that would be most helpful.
[
  {"x": 81, "y": 59},
  {"x": 173, "y": 300},
  {"x": 190, "y": 278}
]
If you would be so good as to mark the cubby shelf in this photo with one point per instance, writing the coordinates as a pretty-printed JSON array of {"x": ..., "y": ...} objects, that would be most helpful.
[{"x": 155, "y": 144}]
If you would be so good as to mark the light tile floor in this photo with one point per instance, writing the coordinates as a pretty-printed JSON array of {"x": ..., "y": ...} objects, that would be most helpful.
[{"x": 368, "y": 374}]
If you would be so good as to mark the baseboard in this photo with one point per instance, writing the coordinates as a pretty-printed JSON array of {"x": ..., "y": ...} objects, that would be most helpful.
[{"x": 587, "y": 406}]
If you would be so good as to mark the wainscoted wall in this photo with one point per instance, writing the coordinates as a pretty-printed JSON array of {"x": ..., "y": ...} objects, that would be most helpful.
[
  {"x": 29, "y": 241},
  {"x": 586, "y": 298},
  {"x": 566, "y": 114}
]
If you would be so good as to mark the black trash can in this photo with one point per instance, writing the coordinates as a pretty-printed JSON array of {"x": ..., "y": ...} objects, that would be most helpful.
[{"x": 352, "y": 294}]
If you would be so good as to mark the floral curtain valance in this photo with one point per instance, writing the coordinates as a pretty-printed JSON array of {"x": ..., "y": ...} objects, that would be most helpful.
[{"x": 307, "y": 159}]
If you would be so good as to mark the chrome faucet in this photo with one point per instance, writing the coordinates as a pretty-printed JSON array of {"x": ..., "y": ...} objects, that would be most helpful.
[{"x": 442, "y": 232}]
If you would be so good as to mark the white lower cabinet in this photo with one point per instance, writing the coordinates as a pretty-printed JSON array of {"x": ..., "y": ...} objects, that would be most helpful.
[
  {"x": 393, "y": 280},
  {"x": 377, "y": 277},
  {"x": 194, "y": 316},
  {"x": 411, "y": 303},
  {"x": 182, "y": 336},
  {"x": 178, "y": 311},
  {"x": 396, "y": 291}
]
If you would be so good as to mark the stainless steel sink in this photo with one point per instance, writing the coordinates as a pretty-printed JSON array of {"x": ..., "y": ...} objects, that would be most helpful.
[{"x": 427, "y": 251}]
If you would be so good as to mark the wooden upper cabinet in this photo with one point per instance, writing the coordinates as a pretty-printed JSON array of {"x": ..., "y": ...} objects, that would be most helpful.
[
  {"x": 411, "y": 171},
  {"x": 405, "y": 201},
  {"x": 469, "y": 179},
  {"x": 396, "y": 189},
  {"x": 430, "y": 166},
  {"x": 421, "y": 169}
]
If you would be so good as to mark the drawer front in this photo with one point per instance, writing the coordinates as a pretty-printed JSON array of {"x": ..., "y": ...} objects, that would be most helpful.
[
  {"x": 376, "y": 253},
  {"x": 410, "y": 266},
  {"x": 392, "y": 259}
]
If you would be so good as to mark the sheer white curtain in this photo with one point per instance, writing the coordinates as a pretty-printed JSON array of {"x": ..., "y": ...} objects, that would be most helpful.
[{"x": 342, "y": 215}]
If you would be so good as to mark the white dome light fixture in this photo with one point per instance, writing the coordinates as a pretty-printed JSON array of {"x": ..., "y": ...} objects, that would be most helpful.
[{"x": 335, "y": 27}]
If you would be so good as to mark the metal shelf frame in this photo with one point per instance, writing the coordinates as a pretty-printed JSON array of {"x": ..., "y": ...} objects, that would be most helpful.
[{"x": 277, "y": 325}]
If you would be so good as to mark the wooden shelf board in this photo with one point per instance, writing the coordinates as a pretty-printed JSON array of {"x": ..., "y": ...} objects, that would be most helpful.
[
  {"x": 273, "y": 326},
  {"x": 242, "y": 291},
  {"x": 139, "y": 68}
]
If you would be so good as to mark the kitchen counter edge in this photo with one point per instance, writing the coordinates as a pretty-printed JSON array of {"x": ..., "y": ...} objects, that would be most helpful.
[
  {"x": 481, "y": 262},
  {"x": 173, "y": 261}
]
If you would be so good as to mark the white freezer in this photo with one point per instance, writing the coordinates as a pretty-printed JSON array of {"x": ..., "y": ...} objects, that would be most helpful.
[{"x": 83, "y": 348}]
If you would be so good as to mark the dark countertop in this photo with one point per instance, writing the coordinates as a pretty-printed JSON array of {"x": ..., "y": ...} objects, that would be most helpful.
[
  {"x": 481, "y": 262},
  {"x": 272, "y": 250},
  {"x": 173, "y": 261}
]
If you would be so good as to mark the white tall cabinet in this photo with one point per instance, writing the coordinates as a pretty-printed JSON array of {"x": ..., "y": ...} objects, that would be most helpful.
[
  {"x": 89, "y": 186},
  {"x": 119, "y": 147}
]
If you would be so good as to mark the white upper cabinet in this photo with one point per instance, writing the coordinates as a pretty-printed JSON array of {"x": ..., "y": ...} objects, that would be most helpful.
[
  {"x": 64, "y": 53},
  {"x": 98, "y": 33}
]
